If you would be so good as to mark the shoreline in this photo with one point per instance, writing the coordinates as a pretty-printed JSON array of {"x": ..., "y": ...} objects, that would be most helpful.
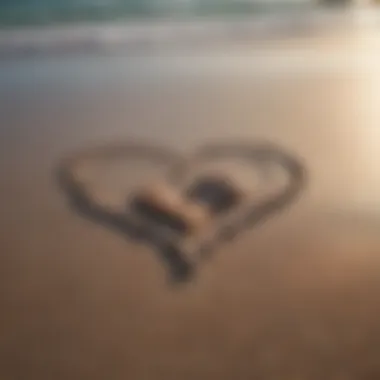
[{"x": 88, "y": 37}]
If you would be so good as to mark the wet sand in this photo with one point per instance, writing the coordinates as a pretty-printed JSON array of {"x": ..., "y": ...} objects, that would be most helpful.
[{"x": 296, "y": 298}]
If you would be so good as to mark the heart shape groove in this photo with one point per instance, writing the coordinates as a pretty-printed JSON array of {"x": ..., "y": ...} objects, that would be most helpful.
[{"x": 200, "y": 201}]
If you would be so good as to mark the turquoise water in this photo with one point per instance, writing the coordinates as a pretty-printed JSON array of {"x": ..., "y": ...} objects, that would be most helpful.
[{"x": 45, "y": 12}]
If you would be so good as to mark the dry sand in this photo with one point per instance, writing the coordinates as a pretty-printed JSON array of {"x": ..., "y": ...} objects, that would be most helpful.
[{"x": 296, "y": 299}]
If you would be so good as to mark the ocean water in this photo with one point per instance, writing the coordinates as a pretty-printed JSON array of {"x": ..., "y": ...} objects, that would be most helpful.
[{"x": 15, "y": 13}]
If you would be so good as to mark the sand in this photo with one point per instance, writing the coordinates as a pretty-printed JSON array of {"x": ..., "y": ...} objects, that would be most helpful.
[{"x": 296, "y": 298}]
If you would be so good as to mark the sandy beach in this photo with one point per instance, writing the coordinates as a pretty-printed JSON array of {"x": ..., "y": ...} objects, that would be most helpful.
[{"x": 296, "y": 298}]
